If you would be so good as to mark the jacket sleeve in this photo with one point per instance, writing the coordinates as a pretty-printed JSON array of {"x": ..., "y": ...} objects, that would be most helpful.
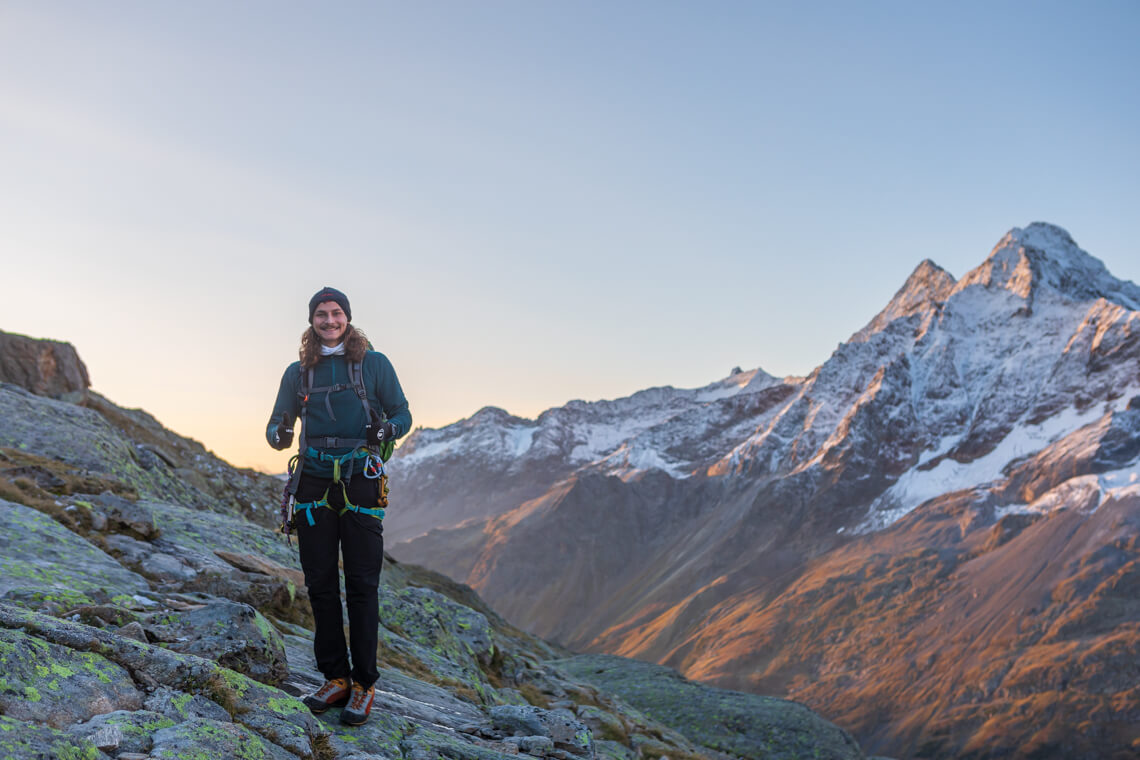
[
  {"x": 391, "y": 397},
  {"x": 287, "y": 402}
]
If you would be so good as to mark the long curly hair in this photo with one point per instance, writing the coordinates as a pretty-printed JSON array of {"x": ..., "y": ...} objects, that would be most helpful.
[{"x": 355, "y": 344}]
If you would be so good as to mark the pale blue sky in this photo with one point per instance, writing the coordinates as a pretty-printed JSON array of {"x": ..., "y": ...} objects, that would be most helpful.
[{"x": 529, "y": 202}]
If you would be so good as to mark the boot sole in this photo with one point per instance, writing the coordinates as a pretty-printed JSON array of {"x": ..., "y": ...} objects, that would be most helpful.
[
  {"x": 316, "y": 707},
  {"x": 352, "y": 721}
]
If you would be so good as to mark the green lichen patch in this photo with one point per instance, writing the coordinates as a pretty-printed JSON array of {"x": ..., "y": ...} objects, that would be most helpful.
[
  {"x": 19, "y": 739},
  {"x": 52, "y": 683}
]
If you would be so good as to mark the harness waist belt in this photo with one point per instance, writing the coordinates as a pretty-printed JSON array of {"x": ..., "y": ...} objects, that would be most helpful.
[{"x": 336, "y": 443}]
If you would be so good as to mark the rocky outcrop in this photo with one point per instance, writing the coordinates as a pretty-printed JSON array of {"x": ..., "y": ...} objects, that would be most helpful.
[
  {"x": 62, "y": 447},
  {"x": 44, "y": 367}
]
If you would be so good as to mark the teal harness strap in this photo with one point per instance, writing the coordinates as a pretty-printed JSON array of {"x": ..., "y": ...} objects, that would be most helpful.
[
  {"x": 377, "y": 513},
  {"x": 308, "y": 508}
]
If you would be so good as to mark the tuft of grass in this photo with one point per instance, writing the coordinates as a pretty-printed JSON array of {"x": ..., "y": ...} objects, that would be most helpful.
[{"x": 534, "y": 695}]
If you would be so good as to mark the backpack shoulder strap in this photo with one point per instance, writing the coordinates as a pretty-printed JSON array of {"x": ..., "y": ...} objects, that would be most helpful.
[
  {"x": 356, "y": 372},
  {"x": 302, "y": 444}
]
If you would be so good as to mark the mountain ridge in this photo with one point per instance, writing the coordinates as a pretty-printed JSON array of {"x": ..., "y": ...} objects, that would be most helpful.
[{"x": 711, "y": 512}]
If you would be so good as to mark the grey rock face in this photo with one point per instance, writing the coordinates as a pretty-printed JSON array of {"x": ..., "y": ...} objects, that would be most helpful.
[{"x": 44, "y": 564}]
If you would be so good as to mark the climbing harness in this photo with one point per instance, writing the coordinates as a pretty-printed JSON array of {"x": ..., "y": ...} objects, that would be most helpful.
[{"x": 343, "y": 465}]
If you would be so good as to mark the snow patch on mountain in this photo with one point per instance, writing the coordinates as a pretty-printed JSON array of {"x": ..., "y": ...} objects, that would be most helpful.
[
  {"x": 921, "y": 483},
  {"x": 1085, "y": 492}
]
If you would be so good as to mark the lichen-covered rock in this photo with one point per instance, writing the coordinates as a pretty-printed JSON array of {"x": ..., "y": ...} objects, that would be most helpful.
[
  {"x": 603, "y": 724},
  {"x": 195, "y": 536},
  {"x": 44, "y": 565},
  {"x": 234, "y": 635},
  {"x": 24, "y": 739},
  {"x": 611, "y": 750},
  {"x": 58, "y": 686},
  {"x": 422, "y": 628},
  {"x": 132, "y": 731},
  {"x": 180, "y": 706},
  {"x": 207, "y": 739},
  {"x": 85, "y": 439},
  {"x": 427, "y": 743},
  {"x": 270, "y": 712},
  {"x": 744, "y": 725},
  {"x": 564, "y": 730}
]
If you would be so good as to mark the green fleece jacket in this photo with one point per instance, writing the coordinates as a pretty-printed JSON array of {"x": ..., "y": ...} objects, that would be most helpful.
[{"x": 348, "y": 419}]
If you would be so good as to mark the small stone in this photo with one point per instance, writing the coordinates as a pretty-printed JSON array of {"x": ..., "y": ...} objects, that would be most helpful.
[
  {"x": 98, "y": 523},
  {"x": 536, "y": 745},
  {"x": 134, "y": 630},
  {"x": 108, "y": 737}
]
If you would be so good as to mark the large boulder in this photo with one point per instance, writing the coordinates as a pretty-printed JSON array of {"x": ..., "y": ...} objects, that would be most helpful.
[
  {"x": 234, "y": 635},
  {"x": 44, "y": 367}
]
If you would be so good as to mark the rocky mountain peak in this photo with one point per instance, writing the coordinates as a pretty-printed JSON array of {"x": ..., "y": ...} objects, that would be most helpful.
[
  {"x": 1044, "y": 255},
  {"x": 928, "y": 284}
]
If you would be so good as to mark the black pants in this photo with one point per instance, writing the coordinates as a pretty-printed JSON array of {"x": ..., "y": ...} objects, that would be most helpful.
[{"x": 361, "y": 540}]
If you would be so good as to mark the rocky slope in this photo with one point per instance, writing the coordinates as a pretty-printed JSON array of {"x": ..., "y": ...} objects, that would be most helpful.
[
  {"x": 143, "y": 617},
  {"x": 894, "y": 540}
]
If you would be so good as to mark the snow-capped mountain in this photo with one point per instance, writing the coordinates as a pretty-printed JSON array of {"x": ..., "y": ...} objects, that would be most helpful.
[
  {"x": 950, "y": 382},
  {"x": 972, "y": 429}
]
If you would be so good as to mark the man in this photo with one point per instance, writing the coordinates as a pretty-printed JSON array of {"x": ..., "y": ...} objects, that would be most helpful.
[{"x": 336, "y": 496}]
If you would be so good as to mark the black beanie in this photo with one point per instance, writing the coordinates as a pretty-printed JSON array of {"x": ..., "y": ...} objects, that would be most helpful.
[{"x": 329, "y": 294}]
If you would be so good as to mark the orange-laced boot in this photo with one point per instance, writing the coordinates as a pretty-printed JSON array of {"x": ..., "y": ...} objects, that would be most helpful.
[
  {"x": 359, "y": 706},
  {"x": 333, "y": 694}
]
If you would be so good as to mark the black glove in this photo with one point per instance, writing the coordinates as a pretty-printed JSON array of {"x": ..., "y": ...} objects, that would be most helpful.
[
  {"x": 380, "y": 432},
  {"x": 283, "y": 435}
]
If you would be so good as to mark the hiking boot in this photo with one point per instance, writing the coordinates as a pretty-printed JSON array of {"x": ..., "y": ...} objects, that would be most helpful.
[
  {"x": 359, "y": 706},
  {"x": 333, "y": 694}
]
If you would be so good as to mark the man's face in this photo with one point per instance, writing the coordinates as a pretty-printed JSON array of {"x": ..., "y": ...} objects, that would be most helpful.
[{"x": 330, "y": 323}]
